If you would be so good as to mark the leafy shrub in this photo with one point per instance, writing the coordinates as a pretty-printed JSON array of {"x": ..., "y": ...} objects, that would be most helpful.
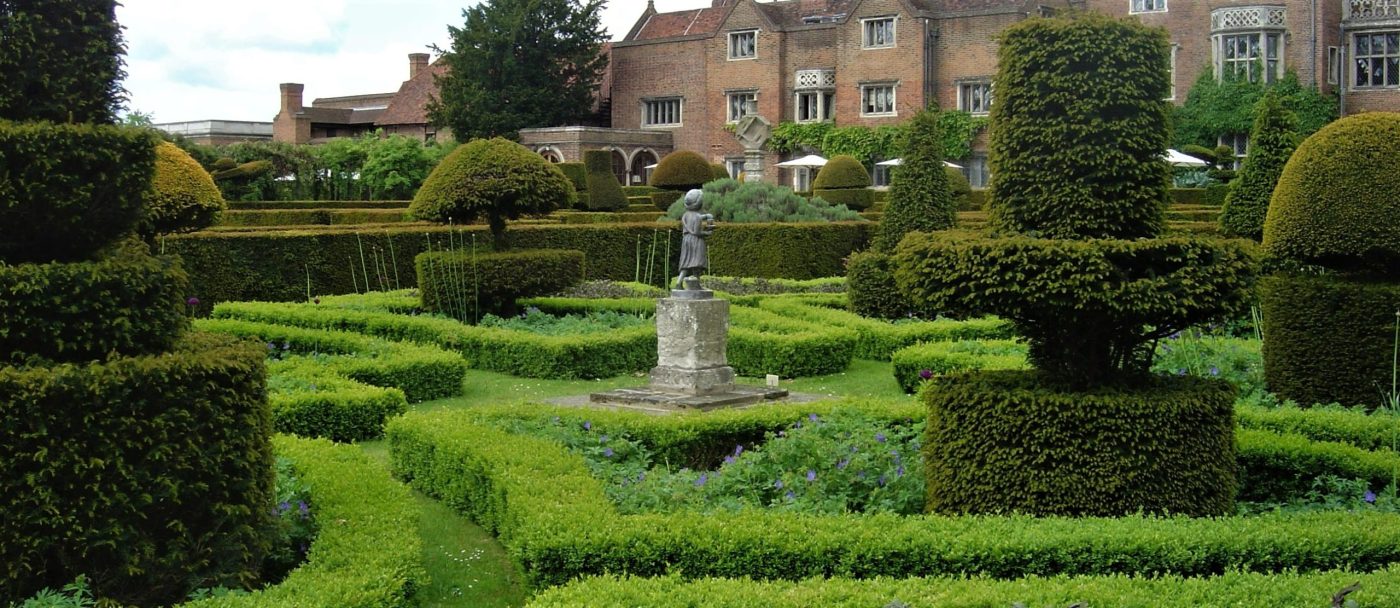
[
  {"x": 841, "y": 171},
  {"x": 913, "y": 365},
  {"x": 395, "y": 166},
  {"x": 1079, "y": 128},
  {"x": 466, "y": 285},
  {"x": 665, "y": 199},
  {"x": 998, "y": 443},
  {"x": 732, "y": 201},
  {"x": 717, "y": 171},
  {"x": 878, "y": 338},
  {"x": 142, "y": 533},
  {"x": 61, "y": 63},
  {"x": 367, "y": 553},
  {"x": 1278, "y": 467},
  {"x": 130, "y": 304},
  {"x": 960, "y": 191},
  {"x": 604, "y": 192},
  {"x": 680, "y": 171},
  {"x": 294, "y": 527},
  {"x": 70, "y": 214},
  {"x": 745, "y": 286},
  {"x": 495, "y": 178},
  {"x": 873, "y": 291},
  {"x": 1236, "y": 360},
  {"x": 1329, "y": 339},
  {"x": 1271, "y": 142},
  {"x": 920, "y": 191},
  {"x": 577, "y": 174},
  {"x": 1337, "y": 203},
  {"x": 183, "y": 197}
]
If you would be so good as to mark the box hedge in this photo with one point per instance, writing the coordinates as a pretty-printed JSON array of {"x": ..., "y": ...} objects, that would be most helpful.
[
  {"x": 872, "y": 289},
  {"x": 663, "y": 199},
  {"x": 311, "y": 401},
  {"x": 149, "y": 475},
  {"x": 466, "y": 285},
  {"x": 1352, "y": 427},
  {"x": 367, "y": 553},
  {"x": 879, "y": 339},
  {"x": 604, "y": 191},
  {"x": 280, "y": 205},
  {"x": 554, "y": 519},
  {"x": 944, "y": 358},
  {"x": 577, "y": 174},
  {"x": 681, "y": 170},
  {"x": 854, "y": 199}
]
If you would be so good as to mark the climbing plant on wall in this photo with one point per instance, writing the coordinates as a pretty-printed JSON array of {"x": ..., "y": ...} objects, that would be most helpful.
[
  {"x": 1217, "y": 107},
  {"x": 956, "y": 131}
]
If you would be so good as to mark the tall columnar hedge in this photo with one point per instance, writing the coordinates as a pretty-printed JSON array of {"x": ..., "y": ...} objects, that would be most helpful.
[
  {"x": 1079, "y": 127},
  {"x": 920, "y": 195},
  {"x": 183, "y": 197},
  {"x": 1270, "y": 144},
  {"x": 604, "y": 192},
  {"x": 60, "y": 61}
]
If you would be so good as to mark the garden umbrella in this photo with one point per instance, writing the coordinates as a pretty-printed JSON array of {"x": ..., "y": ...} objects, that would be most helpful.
[
  {"x": 1178, "y": 159},
  {"x": 895, "y": 162},
  {"x": 811, "y": 160}
]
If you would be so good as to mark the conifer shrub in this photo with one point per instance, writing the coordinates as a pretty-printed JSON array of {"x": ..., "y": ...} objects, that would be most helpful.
[
  {"x": 183, "y": 197},
  {"x": 604, "y": 192},
  {"x": 493, "y": 178},
  {"x": 61, "y": 61},
  {"x": 920, "y": 193},
  {"x": 577, "y": 174},
  {"x": 718, "y": 171},
  {"x": 749, "y": 202},
  {"x": 1270, "y": 144},
  {"x": 682, "y": 170},
  {"x": 960, "y": 190},
  {"x": 843, "y": 180}
]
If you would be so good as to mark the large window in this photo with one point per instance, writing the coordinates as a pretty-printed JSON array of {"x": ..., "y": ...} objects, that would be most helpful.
[
  {"x": 661, "y": 112},
  {"x": 1254, "y": 55},
  {"x": 877, "y": 100},
  {"x": 802, "y": 179},
  {"x": 975, "y": 97},
  {"x": 1147, "y": 6},
  {"x": 735, "y": 166},
  {"x": 743, "y": 45},
  {"x": 877, "y": 33},
  {"x": 816, "y": 106},
  {"x": 1239, "y": 147},
  {"x": 739, "y": 104},
  {"x": 977, "y": 172},
  {"x": 1377, "y": 57}
]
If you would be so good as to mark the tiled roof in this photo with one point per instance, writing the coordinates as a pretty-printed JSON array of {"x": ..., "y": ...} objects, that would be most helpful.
[
  {"x": 792, "y": 13},
  {"x": 682, "y": 23},
  {"x": 410, "y": 105},
  {"x": 342, "y": 116}
]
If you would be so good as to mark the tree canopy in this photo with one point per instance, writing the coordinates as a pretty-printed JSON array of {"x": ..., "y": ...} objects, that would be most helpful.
[{"x": 517, "y": 64}]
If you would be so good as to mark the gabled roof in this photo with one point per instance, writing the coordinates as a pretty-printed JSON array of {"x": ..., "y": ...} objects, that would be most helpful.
[
  {"x": 790, "y": 14},
  {"x": 410, "y": 105},
  {"x": 701, "y": 21}
]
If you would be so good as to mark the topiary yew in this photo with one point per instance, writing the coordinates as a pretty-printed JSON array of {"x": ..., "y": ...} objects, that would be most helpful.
[
  {"x": 842, "y": 171},
  {"x": 1270, "y": 144},
  {"x": 604, "y": 191},
  {"x": 960, "y": 190},
  {"x": 920, "y": 194},
  {"x": 496, "y": 178},
  {"x": 183, "y": 197},
  {"x": 1337, "y": 203},
  {"x": 682, "y": 170}
]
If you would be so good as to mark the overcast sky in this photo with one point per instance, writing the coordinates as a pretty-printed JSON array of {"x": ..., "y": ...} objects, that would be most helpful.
[{"x": 196, "y": 59}]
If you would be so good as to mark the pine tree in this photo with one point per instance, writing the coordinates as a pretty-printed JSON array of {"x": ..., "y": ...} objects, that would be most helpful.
[
  {"x": 60, "y": 60},
  {"x": 919, "y": 196},
  {"x": 1271, "y": 142},
  {"x": 518, "y": 64}
]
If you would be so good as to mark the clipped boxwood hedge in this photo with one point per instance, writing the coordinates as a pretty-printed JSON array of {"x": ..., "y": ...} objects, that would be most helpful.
[
  {"x": 278, "y": 205},
  {"x": 663, "y": 199},
  {"x": 1366, "y": 431},
  {"x": 146, "y": 474},
  {"x": 943, "y": 358},
  {"x": 130, "y": 304},
  {"x": 467, "y": 285},
  {"x": 998, "y": 442},
  {"x": 552, "y": 515},
  {"x": 367, "y": 553},
  {"x": 183, "y": 197},
  {"x": 577, "y": 174},
  {"x": 681, "y": 170},
  {"x": 872, "y": 288},
  {"x": 311, "y": 401},
  {"x": 879, "y": 339}
]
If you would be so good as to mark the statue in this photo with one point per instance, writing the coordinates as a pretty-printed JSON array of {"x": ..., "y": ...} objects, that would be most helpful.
[
  {"x": 753, "y": 132},
  {"x": 695, "y": 226}
]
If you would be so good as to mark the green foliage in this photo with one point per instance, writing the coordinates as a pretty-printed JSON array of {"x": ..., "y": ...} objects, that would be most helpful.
[
  {"x": 310, "y": 401},
  {"x": 294, "y": 527},
  {"x": 1338, "y": 201},
  {"x": 934, "y": 359},
  {"x": 717, "y": 171},
  {"x": 395, "y": 166},
  {"x": 183, "y": 198},
  {"x": 128, "y": 304},
  {"x": 1216, "y": 108},
  {"x": 465, "y": 285},
  {"x": 367, "y": 554},
  {"x": 1271, "y": 142},
  {"x": 69, "y": 214},
  {"x": 1123, "y": 294},
  {"x": 61, "y": 61},
  {"x": 304, "y": 205},
  {"x": 1276, "y": 467},
  {"x": 956, "y": 131},
  {"x": 313, "y": 217},
  {"x": 82, "y": 493},
  {"x": 749, "y": 202},
  {"x": 960, "y": 191},
  {"x": 1352, "y": 427},
  {"x": 577, "y": 174},
  {"x": 516, "y": 64},
  {"x": 878, "y": 339},
  {"x": 920, "y": 191},
  {"x": 536, "y": 321},
  {"x": 842, "y": 171},
  {"x": 494, "y": 178},
  {"x": 1079, "y": 127},
  {"x": 1328, "y": 339},
  {"x": 665, "y": 199},
  {"x": 1236, "y": 360},
  {"x": 368, "y": 167},
  {"x": 873, "y": 291},
  {"x": 741, "y": 286},
  {"x": 681, "y": 170},
  {"x": 997, "y": 443},
  {"x": 604, "y": 192},
  {"x": 851, "y": 198}
]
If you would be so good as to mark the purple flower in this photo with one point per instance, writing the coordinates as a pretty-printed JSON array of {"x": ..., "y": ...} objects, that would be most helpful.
[
  {"x": 1370, "y": 497},
  {"x": 1174, "y": 336},
  {"x": 728, "y": 460},
  {"x": 641, "y": 476},
  {"x": 843, "y": 463},
  {"x": 925, "y": 373},
  {"x": 1181, "y": 372},
  {"x": 790, "y": 495},
  {"x": 303, "y": 508},
  {"x": 882, "y": 481},
  {"x": 192, "y": 302},
  {"x": 284, "y": 506},
  {"x": 1214, "y": 371},
  {"x": 700, "y": 481},
  {"x": 899, "y": 471},
  {"x": 812, "y": 417},
  {"x": 587, "y": 425},
  {"x": 602, "y": 439},
  {"x": 778, "y": 484},
  {"x": 880, "y": 437},
  {"x": 607, "y": 452},
  {"x": 811, "y": 475},
  {"x": 860, "y": 475},
  {"x": 738, "y": 449}
]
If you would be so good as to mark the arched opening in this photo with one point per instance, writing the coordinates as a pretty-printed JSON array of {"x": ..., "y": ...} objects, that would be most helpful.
[
  {"x": 551, "y": 155},
  {"x": 619, "y": 167},
  {"x": 640, "y": 161}
]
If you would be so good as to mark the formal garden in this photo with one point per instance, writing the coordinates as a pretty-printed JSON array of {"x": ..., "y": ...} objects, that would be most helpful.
[{"x": 1080, "y": 387}]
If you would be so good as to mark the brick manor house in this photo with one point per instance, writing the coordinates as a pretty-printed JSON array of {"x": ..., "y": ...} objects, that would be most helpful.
[{"x": 678, "y": 78}]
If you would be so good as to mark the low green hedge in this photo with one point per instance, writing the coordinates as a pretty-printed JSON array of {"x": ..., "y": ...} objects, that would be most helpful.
[
  {"x": 265, "y": 205},
  {"x": 312, "y": 216},
  {"x": 637, "y": 191},
  {"x": 943, "y": 358},
  {"x": 663, "y": 199},
  {"x": 367, "y": 553},
  {"x": 617, "y": 217},
  {"x": 554, "y": 519},
  {"x": 880, "y": 339},
  {"x": 855, "y": 199},
  {"x": 129, "y": 304},
  {"x": 1367, "y": 431},
  {"x": 1275, "y": 467},
  {"x": 467, "y": 285},
  {"x": 1188, "y": 196},
  {"x": 1238, "y": 590},
  {"x": 311, "y": 401}
]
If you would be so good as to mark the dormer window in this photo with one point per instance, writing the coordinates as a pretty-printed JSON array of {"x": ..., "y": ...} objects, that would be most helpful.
[
  {"x": 878, "y": 33},
  {"x": 743, "y": 45}
]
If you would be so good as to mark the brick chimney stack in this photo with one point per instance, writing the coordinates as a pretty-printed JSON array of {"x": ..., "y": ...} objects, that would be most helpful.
[
  {"x": 417, "y": 62},
  {"x": 291, "y": 97}
]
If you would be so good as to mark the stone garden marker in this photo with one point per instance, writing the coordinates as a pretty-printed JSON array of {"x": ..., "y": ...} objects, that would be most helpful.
[{"x": 753, "y": 132}]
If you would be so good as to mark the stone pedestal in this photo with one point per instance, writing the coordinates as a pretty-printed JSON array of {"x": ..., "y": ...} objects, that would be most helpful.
[
  {"x": 753, "y": 165},
  {"x": 692, "y": 331}
]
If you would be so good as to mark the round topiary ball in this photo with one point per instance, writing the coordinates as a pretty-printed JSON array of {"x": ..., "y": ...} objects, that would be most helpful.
[
  {"x": 1337, "y": 203},
  {"x": 682, "y": 170},
  {"x": 183, "y": 197},
  {"x": 842, "y": 171}
]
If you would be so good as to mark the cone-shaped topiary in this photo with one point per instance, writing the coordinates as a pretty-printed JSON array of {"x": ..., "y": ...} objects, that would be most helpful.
[
  {"x": 1337, "y": 203},
  {"x": 604, "y": 192},
  {"x": 920, "y": 196},
  {"x": 183, "y": 197},
  {"x": 844, "y": 181},
  {"x": 496, "y": 178},
  {"x": 1270, "y": 144},
  {"x": 1079, "y": 127},
  {"x": 682, "y": 170}
]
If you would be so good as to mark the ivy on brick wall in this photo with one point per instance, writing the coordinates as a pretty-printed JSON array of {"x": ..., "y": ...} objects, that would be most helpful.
[
  {"x": 1216, "y": 107},
  {"x": 956, "y": 131}
]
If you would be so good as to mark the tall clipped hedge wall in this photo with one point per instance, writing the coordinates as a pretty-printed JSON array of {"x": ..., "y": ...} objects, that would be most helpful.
[
  {"x": 604, "y": 191},
  {"x": 183, "y": 197}
]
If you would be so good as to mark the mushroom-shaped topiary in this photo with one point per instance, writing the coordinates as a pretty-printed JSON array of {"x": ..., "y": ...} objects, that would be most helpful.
[
  {"x": 677, "y": 173},
  {"x": 183, "y": 197},
  {"x": 844, "y": 181},
  {"x": 1337, "y": 203},
  {"x": 495, "y": 178}
]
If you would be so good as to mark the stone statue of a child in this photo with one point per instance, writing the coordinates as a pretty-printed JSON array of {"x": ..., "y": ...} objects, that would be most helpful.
[{"x": 695, "y": 226}]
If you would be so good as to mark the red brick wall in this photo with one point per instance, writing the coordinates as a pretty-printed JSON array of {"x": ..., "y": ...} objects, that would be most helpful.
[
  {"x": 661, "y": 70},
  {"x": 763, "y": 73},
  {"x": 903, "y": 64},
  {"x": 966, "y": 49}
]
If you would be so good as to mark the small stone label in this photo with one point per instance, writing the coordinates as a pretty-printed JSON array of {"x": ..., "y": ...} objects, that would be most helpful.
[{"x": 772, "y": 381}]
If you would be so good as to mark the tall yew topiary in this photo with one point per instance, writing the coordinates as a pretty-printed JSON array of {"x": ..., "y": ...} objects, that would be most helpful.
[
  {"x": 60, "y": 61},
  {"x": 1270, "y": 144},
  {"x": 604, "y": 192},
  {"x": 920, "y": 195}
]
